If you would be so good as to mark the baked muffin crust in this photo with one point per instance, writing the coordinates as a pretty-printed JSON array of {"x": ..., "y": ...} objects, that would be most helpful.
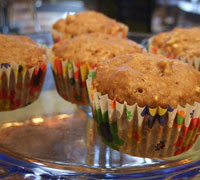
[
  {"x": 93, "y": 48},
  {"x": 179, "y": 42},
  {"x": 20, "y": 49},
  {"x": 88, "y": 22},
  {"x": 148, "y": 79}
]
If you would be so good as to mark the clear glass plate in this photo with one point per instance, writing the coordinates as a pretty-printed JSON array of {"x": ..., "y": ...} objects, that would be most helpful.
[{"x": 52, "y": 139}]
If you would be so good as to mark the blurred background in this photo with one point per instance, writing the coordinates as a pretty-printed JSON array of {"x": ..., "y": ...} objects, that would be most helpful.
[{"x": 142, "y": 16}]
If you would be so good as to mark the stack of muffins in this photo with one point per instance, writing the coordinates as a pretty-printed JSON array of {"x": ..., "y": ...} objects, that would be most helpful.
[
  {"x": 72, "y": 59},
  {"x": 143, "y": 104},
  {"x": 88, "y": 38}
]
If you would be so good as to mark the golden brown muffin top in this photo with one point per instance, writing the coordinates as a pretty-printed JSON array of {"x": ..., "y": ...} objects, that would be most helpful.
[
  {"x": 20, "y": 49},
  {"x": 179, "y": 42},
  {"x": 88, "y": 22},
  {"x": 148, "y": 79},
  {"x": 93, "y": 48}
]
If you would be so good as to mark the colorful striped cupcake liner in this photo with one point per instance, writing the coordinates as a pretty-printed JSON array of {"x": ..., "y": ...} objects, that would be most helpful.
[
  {"x": 192, "y": 60},
  {"x": 58, "y": 36},
  {"x": 19, "y": 85},
  {"x": 144, "y": 131},
  {"x": 70, "y": 79}
]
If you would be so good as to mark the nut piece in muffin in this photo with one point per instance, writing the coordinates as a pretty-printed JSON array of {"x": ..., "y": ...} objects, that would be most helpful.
[
  {"x": 87, "y": 22},
  {"x": 180, "y": 43},
  {"x": 79, "y": 55},
  {"x": 22, "y": 71},
  {"x": 146, "y": 105}
]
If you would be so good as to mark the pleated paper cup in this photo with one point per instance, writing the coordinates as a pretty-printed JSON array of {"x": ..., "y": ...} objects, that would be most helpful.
[
  {"x": 144, "y": 131},
  {"x": 192, "y": 60},
  {"x": 58, "y": 36},
  {"x": 20, "y": 85},
  {"x": 70, "y": 79}
]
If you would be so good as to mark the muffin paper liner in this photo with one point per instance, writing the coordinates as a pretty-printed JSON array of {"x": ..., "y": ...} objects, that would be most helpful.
[
  {"x": 144, "y": 131},
  {"x": 57, "y": 36},
  {"x": 70, "y": 78},
  {"x": 19, "y": 85},
  {"x": 192, "y": 60}
]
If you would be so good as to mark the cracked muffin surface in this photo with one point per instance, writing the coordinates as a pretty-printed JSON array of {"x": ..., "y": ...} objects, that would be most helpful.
[
  {"x": 148, "y": 79},
  {"x": 179, "y": 42},
  {"x": 20, "y": 49},
  {"x": 88, "y": 22},
  {"x": 94, "y": 48}
]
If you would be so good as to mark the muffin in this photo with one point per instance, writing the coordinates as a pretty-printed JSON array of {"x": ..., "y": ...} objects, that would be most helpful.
[
  {"x": 180, "y": 43},
  {"x": 22, "y": 71},
  {"x": 146, "y": 105},
  {"x": 87, "y": 22},
  {"x": 72, "y": 59}
]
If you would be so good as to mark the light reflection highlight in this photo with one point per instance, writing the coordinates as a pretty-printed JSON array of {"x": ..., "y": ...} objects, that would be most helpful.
[
  {"x": 37, "y": 120},
  {"x": 6, "y": 125},
  {"x": 66, "y": 13},
  {"x": 62, "y": 116}
]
